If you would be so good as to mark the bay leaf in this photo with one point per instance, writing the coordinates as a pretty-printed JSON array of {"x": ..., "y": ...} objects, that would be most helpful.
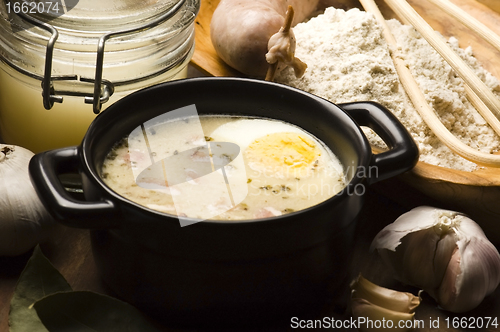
[
  {"x": 84, "y": 311},
  {"x": 38, "y": 279}
]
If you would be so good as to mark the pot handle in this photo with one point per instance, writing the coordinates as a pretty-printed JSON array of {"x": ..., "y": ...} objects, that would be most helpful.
[
  {"x": 403, "y": 152},
  {"x": 44, "y": 169}
]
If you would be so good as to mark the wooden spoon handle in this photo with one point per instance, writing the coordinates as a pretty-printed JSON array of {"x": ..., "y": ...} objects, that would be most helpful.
[
  {"x": 403, "y": 9},
  {"x": 488, "y": 35},
  {"x": 476, "y": 101},
  {"x": 419, "y": 101},
  {"x": 466, "y": 19}
]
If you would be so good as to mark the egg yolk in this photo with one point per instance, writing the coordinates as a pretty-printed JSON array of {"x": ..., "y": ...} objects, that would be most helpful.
[{"x": 282, "y": 150}]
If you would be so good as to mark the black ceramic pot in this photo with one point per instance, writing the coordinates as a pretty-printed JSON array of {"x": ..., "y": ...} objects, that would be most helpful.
[{"x": 220, "y": 273}]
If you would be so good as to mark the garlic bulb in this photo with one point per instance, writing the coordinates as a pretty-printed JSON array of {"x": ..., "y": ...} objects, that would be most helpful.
[
  {"x": 442, "y": 252},
  {"x": 373, "y": 303},
  {"x": 24, "y": 221}
]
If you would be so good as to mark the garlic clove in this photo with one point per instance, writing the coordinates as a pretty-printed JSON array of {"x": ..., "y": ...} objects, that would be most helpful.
[
  {"x": 384, "y": 297},
  {"x": 24, "y": 221},
  {"x": 393, "y": 259},
  {"x": 369, "y": 316},
  {"x": 447, "y": 294},
  {"x": 418, "y": 260},
  {"x": 473, "y": 273},
  {"x": 445, "y": 253},
  {"x": 419, "y": 218}
]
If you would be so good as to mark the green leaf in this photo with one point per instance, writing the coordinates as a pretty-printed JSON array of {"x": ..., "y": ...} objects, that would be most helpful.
[
  {"x": 38, "y": 279},
  {"x": 84, "y": 311}
]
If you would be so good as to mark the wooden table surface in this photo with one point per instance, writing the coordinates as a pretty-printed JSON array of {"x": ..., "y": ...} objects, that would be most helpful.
[{"x": 70, "y": 252}]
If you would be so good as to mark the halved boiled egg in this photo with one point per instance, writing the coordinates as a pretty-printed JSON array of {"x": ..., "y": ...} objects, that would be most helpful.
[{"x": 276, "y": 148}]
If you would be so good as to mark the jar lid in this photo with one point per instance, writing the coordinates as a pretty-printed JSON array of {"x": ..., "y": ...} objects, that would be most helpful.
[
  {"x": 87, "y": 18},
  {"x": 99, "y": 15}
]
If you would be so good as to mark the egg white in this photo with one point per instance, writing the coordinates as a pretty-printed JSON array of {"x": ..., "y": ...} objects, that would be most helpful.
[{"x": 244, "y": 131}]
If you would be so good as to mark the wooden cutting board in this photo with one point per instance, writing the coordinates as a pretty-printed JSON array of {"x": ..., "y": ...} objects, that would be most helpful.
[
  {"x": 493, "y": 4},
  {"x": 206, "y": 59},
  {"x": 475, "y": 193}
]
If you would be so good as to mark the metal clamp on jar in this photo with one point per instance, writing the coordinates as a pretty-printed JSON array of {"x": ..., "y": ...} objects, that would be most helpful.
[{"x": 54, "y": 63}]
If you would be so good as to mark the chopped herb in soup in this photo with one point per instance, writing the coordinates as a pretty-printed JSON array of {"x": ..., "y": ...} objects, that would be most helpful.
[{"x": 224, "y": 168}]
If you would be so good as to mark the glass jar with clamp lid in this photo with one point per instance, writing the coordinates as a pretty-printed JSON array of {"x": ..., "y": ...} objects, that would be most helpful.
[{"x": 64, "y": 61}]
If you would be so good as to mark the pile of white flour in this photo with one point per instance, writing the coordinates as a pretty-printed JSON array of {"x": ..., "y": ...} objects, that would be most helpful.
[{"x": 348, "y": 60}]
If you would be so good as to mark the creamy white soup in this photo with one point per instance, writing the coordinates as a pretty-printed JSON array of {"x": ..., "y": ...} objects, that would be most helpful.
[{"x": 187, "y": 168}]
